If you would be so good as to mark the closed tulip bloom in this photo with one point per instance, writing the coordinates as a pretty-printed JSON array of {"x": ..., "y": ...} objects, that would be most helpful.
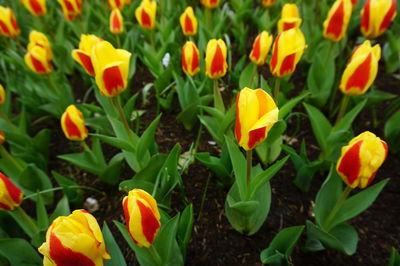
[
  {"x": 37, "y": 38},
  {"x": 261, "y": 46},
  {"x": 2, "y": 95},
  {"x": 116, "y": 22},
  {"x": 8, "y": 23},
  {"x": 73, "y": 124},
  {"x": 286, "y": 52},
  {"x": 10, "y": 194},
  {"x": 210, "y": 3},
  {"x": 190, "y": 58},
  {"x": 70, "y": 8},
  {"x": 361, "y": 159},
  {"x": 82, "y": 55},
  {"x": 111, "y": 67},
  {"x": 37, "y": 60},
  {"x": 146, "y": 14},
  {"x": 289, "y": 18},
  {"x": 376, "y": 17},
  {"x": 335, "y": 25},
  {"x": 74, "y": 240},
  {"x": 142, "y": 217},
  {"x": 216, "y": 64},
  {"x": 188, "y": 22},
  {"x": 361, "y": 69},
  {"x": 116, "y": 4},
  {"x": 256, "y": 113},
  {"x": 268, "y": 3},
  {"x": 2, "y": 137},
  {"x": 35, "y": 7}
]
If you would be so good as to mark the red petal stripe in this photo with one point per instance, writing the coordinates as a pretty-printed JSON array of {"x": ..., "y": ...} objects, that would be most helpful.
[
  {"x": 5, "y": 206},
  {"x": 150, "y": 224},
  {"x": 146, "y": 20},
  {"x": 365, "y": 17},
  {"x": 255, "y": 136},
  {"x": 116, "y": 22},
  {"x": 336, "y": 22},
  {"x": 238, "y": 130},
  {"x": 112, "y": 79},
  {"x": 274, "y": 59},
  {"x": 37, "y": 8},
  {"x": 86, "y": 63},
  {"x": 39, "y": 67},
  {"x": 360, "y": 76},
  {"x": 13, "y": 190},
  {"x": 195, "y": 59},
  {"x": 217, "y": 64},
  {"x": 288, "y": 25},
  {"x": 72, "y": 129},
  {"x": 4, "y": 28},
  {"x": 255, "y": 53},
  {"x": 350, "y": 164},
  {"x": 69, "y": 6},
  {"x": 188, "y": 25},
  {"x": 389, "y": 15},
  {"x": 184, "y": 65},
  {"x": 287, "y": 65}
]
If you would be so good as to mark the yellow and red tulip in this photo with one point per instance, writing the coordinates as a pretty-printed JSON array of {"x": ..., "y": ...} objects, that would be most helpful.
[
  {"x": 210, "y": 3},
  {"x": 111, "y": 68},
  {"x": 74, "y": 240},
  {"x": 261, "y": 46},
  {"x": 190, "y": 58},
  {"x": 268, "y": 3},
  {"x": 286, "y": 52},
  {"x": 11, "y": 195},
  {"x": 361, "y": 69},
  {"x": 37, "y": 38},
  {"x": 35, "y": 7},
  {"x": 376, "y": 17},
  {"x": 361, "y": 159},
  {"x": 2, "y": 95},
  {"x": 8, "y": 23},
  {"x": 142, "y": 217},
  {"x": 37, "y": 60},
  {"x": 216, "y": 64},
  {"x": 116, "y": 22},
  {"x": 146, "y": 14},
  {"x": 70, "y": 8},
  {"x": 335, "y": 25},
  {"x": 256, "y": 113},
  {"x": 73, "y": 124},
  {"x": 188, "y": 22},
  {"x": 83, "y": 54},
  {"x": 2, "y": 137},
  {"x": 116, "y": 4},
  {"x": 289, "y": 18}
]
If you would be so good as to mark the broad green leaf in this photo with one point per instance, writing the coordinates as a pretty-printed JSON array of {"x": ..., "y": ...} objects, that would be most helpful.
[
  {"x": 146, "y": 140},
  {"x": 289, "y": 105},
  {"x": 185, "y": 228},
  {"x": 394, "y": 259},
  {"x": 19, "y": 252},
  {"x": 249, "y": 77},
  {"x": 346, "y": 122},
  {"x": 239, "y": 166},
  {"x": 33, "y": 179},
  {"x": 117, "y": 258},
  {"x": 62, "y": 209},
  {"x": 74, "y": 195},
  {"x": 115, "y": 142},
  {"x": 214, "y": 164},
  {"x": 320, "y": 125},
  {"x": 111, "y": 173},
  {"x": 41, "y": 213},
  {"x": 392, "y": 132}
]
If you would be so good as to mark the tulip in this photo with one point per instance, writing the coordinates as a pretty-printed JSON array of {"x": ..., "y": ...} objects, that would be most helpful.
[
  {"x": 216, "y": 65},
  {"x": 37, "y": 38},
  {"x": 142, "y": 217},
  {"x": 376, "y": 17},
  {"x": 8, "y": 24},
  {"x": 361, "y": 69},
  {"x": 354, "y": 2},
  {"x": 37, "y": 60},
  {"x": 2, "y": 137},
  {"x": 210, "y": 3},
  {"x": 335, "y": 25},
  {"x": 70, "y": 8},
  {"x": 268, "y": 3},
  {"x": 116, "y": 22},
  {"x": 146, "y": 14},
  {"x": 116, "y": 4},
  {"x": 111, "y": 67},
  {"x": 190, "y": 58},
  {"x": 286, "y": 52},
  {"x": 261, "y": 47},
  {"x": 361, "y": 159},
  {"x": 82, "y": 55},
  {"x": 256, "y": 113},
  {"x": 74, "y": 240},
  {"x": 11, "y": 195},
  {"x": 73, "y": 124},
  {"x": 289, "y": 18},
  {"x": 188, "y": 22},
  {"x": 2, "y": 95},
  {"x": 35, "y": 7}
]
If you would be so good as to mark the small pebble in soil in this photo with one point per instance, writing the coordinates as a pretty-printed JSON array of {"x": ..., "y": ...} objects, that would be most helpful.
[{"x": 91, "y": 204}]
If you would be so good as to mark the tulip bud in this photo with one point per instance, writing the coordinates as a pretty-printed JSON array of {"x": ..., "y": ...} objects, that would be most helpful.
[
  {"x": 35, "y": 7},
  {"x": 2, "y": 137},
  {"x": 11, "y": 195},
  {"x": 70, "y": 8},
  {"x": 361, "y": 69},
  {"x": 36, "y": 59},
  {"x": 74, "y": 240},
  {"x": 188, "y": 22},
  {"x": 376, "y": 17},
  {"x": 190, "y": 58},
  {"x": 8, "y": 24},
  {"x": 111, "y": 67},
  {"x": 216, "y": 65},
  {"x": 142, "y": 217},
  {"x": 37, "y": 38},
  {"x": 116, "y": 4},
  {"x": 268, "y": 3},
  {"x": 116, "y": 22},
  {"x": 261, "y": 47},
  {"x": 361, "y": 159},
  {"x": 286, "y": 52},
  {"x": 73, "y": 124},
  {"x": 289, "y": 18},
  {"x": 210, "y": 3},
  {"x": 256, "y": 113},
  {"x": 82, "y": 55},
  {"x": 146, "y": 14},
  {"x": 2, "y": 95},
  {"x": 335, "y": 25}
]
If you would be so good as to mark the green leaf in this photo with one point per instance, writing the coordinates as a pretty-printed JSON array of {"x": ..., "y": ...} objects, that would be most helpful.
[
  {"x": 346, "y": 122},
  {"x": 146, "y": 140},
  {"x": 249, "y": 77},
  {"x": 62, "y": 209},
  {"x": 239, "y": 166},
  {"x": 111, "y": 173},
  {"x": 41, "y": 213},
  {"x": 289, "y": 105},
  {"x": 392, "y": 132},
  {"x": 213, "y": 163},
  {"x": 19, "y": 252},
  {"x": 33, "y": 179},
  {"x": 85, "y": 160},
  {"x": 74, "y": 195},
  {"x": 166, "y": 243},
  {"x": 394, "y": 259},
  {"x": 185, "y": 228},
  {"x": 320, "y": 125},
  {"x": 115, "y": 142},
  {"x": 117, "y": 258}
]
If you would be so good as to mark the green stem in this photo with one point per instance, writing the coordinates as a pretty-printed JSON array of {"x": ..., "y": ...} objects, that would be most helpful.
[
  {"x": 276, "y": 89},
  {"x": 53, "y": 84},
  {"x": 85, "y": 146},
  {"x": 330, "y": 50},
  {"x": 343, "y": 108},
  {"x": 208, "y": 16},
  {"x": 253, "y": 75},
  {"x": 203, "y": 198},
  {"x": 3, "y": 116},
  {"x": 337, "y": 207},
  {"x": 155, "y": 255},
  {"x": 152, "y": 41},
  {"x": 218, "y": 102},
  {"x": 61, "y": 188},
  {"x": 27, "y": 219},
  {"x": 118, "y": 40},
  {"x": 196, "y": 144},
  {"x": 5, "y": 153},
  {"x": 249, "y": 159},
  {"x": 115, "y": 101}
]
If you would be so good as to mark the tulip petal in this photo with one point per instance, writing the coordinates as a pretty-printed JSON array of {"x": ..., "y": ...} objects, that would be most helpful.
[
  {"x": 336, "y": 22},
  {"x": 150, "y": 224},
  {"x": 388, "y": 17},
  {"x": 350, "y": 164},
  {"x": 12, "y": 190},
  {"x": 85, "y": 60},
  {"x": 112, "y": 79},
  {"x": 361, "y": 75}
]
